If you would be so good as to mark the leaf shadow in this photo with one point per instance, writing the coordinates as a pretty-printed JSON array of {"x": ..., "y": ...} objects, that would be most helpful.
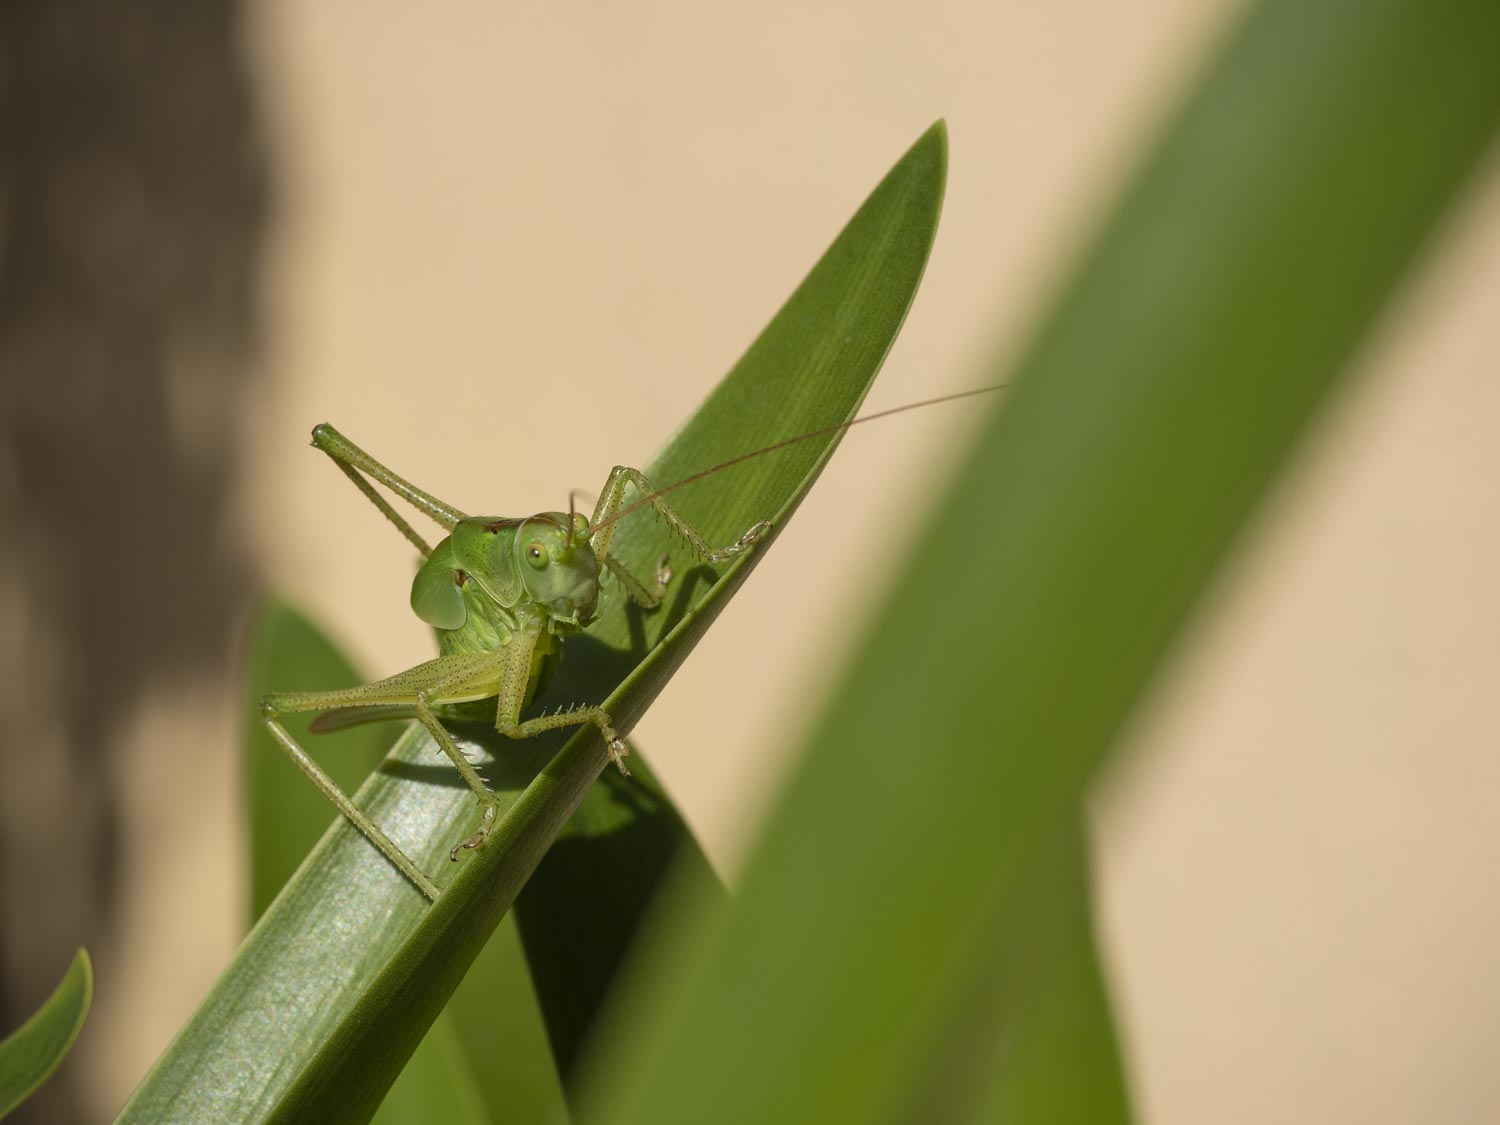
[{"x": 588, "y": 660}]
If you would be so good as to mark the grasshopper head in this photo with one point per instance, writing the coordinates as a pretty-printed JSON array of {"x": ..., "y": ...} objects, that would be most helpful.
[{"x": 558, "y": 566}]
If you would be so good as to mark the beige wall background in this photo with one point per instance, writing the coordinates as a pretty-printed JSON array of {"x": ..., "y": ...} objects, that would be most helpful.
[{"x": 513, "y": 245}]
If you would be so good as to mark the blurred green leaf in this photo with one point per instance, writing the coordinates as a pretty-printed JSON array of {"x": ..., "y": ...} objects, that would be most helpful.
[
  {"x": 436, "y": 1084},
  {"x": 30, "y": 1054},
  {"x": 581, "y": 910},
  {"x": 1205, "y": 326},
  {"x": 494, "y": 1020},
  {"x": 1031, "y": 1036},
  {"x": 348, "y": 967},
  {"x": 286, "y": 814}
]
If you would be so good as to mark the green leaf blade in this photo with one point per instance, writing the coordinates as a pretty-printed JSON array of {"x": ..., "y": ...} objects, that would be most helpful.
[
  {"x": 1205, "y": 327},
  {"x": 496, "y": 1023},
  {"x": 286, "y": 818},
  {"x": 30, "y": 1054},
  {"x": 582, "y": 909},
  {"x": 348, "y": 967}
]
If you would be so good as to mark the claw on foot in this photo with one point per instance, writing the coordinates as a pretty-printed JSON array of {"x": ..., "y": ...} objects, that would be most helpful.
[
  {"x": 486, "y": 823},
  {"x": 755, "y": 534},
  {"x": 617, "y": 752}
]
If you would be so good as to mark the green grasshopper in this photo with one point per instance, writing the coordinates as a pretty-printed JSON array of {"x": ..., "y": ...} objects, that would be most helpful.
[{"x": 502, "y": 594}]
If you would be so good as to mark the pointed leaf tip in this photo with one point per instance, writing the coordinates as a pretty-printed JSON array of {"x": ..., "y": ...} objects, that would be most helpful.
[{"x": 30, "y": 1054}]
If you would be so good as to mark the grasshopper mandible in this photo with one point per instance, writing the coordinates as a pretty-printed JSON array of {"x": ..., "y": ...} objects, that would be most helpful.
[{"x": 502, "y": 594}]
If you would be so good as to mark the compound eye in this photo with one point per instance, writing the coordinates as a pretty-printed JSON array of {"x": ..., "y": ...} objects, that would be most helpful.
[{"x": 536, "y": 555}]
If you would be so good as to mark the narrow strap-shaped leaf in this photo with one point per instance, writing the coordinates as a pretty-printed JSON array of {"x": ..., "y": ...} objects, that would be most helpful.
[
  {"x": 444, "y": 1080},
  {"x": 1031, "y": 1036},
  {"x": 30, "y": 1054},
  {"x": 611, "y": 857},
  {"x": 1206, "y": 325},
  {"x": 583, "y": 907},
  {"x": 336, "y": 985}
]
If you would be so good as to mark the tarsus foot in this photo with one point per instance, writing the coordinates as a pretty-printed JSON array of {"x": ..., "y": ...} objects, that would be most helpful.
[
  {"x": 486, "y": 824},
  {"x": 754, "y": 535}
]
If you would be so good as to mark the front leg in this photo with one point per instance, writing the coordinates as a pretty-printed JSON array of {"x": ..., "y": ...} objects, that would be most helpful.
[
  {"x": 613, "y": 743},
  {"x": 608, "y": 511},
  {"x": 515, "y": 682}
]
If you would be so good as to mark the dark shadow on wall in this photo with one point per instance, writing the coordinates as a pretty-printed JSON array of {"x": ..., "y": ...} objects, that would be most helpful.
[{"x": 133, "y": 193}]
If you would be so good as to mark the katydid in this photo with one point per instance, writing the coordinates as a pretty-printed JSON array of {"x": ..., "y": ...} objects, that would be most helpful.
[{"x": 502, "y": 594}]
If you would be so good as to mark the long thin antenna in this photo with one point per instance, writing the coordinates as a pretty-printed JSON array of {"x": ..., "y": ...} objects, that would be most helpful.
[{"x": 712, "y": 469}]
